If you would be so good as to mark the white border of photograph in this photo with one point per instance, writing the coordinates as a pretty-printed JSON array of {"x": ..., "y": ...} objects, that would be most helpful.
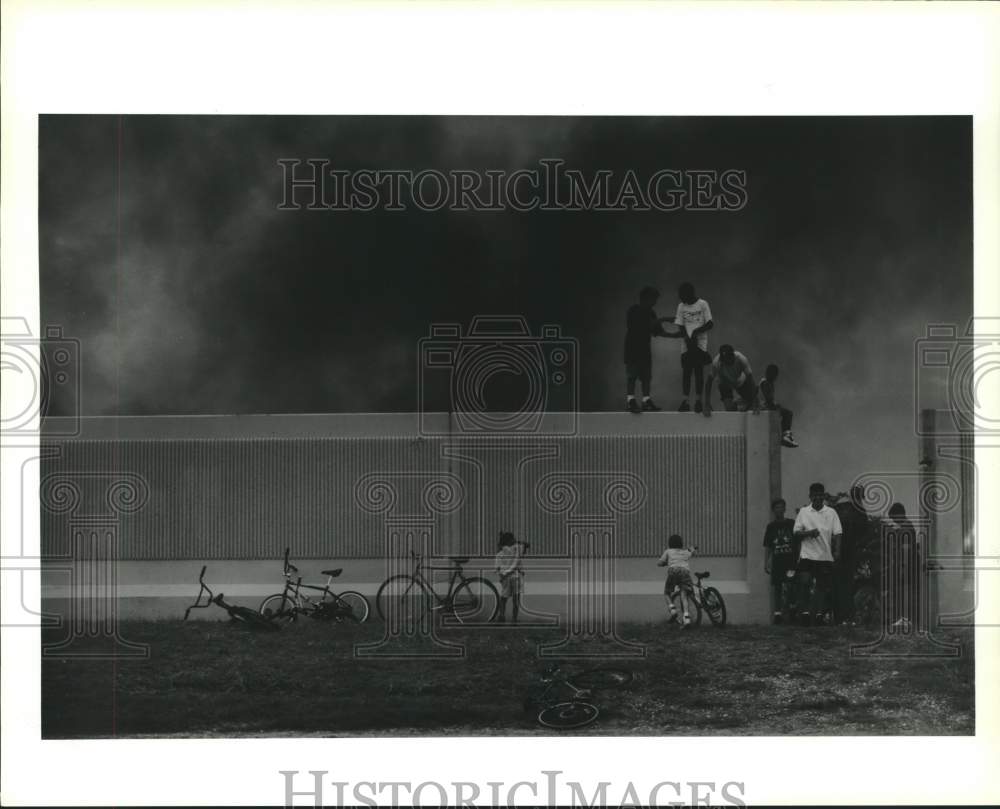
[{"x": 658, "y": 59}]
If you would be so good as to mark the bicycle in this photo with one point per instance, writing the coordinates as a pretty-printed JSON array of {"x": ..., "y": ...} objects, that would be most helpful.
[
  {"x": 251, "y": 619},
  {"x": 407, "y": 597},
  {"x": 704, "y": 599},
  {"x": 291, "y": 602},
  {"x": 578, "y": 710}
]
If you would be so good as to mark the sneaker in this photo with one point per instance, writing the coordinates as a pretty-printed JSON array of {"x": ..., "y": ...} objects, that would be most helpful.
[
  {"x": 687, "y": 622},
  {"x": 673, "y": 618},
  {"x": 698, "y": 406},
  {"x": 902, "y": 623},
  {"x": 685, "y": 407},
  {"x": 632, "y": 406},
  {"x": 650, "y": 406},
  {"x": 788, "y": 440}
]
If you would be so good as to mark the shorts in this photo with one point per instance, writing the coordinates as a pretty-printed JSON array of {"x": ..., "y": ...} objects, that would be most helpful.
[
  {"x": 695, "y": 358},
  {"x": 782, "y": 573},
  {"x": 511, "y": 585},
  {"x": 639, "y": 369},
  {"x": 677, "y": 577}
]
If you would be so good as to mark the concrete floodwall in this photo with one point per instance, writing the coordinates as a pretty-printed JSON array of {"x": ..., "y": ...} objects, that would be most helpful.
[{"x": 349, "y": 490}]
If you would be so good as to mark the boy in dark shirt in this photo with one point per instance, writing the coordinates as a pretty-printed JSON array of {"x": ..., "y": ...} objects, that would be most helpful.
[
  {"x": 780, "y": 559},
  {"x": 641, "y": 324},
  {"x": 767, "y": 391}
]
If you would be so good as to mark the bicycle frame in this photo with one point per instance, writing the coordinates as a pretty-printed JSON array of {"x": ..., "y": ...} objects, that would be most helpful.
[
  {"x": 556, "y": 677},
  {"x": 454, "y": 582},
  {"x": 293, "y": 592}
]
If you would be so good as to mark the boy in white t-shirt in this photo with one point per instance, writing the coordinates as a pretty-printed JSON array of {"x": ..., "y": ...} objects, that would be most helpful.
[
  {"x": 676, "y": 560},
  {"x": 818, "y": 529},
  {"x": 695, "y": 320}
]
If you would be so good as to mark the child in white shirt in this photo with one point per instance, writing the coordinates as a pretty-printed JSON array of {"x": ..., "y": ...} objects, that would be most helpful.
[{"x": 508, "y": 565}]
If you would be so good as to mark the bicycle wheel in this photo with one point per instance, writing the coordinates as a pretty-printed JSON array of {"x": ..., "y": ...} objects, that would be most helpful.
[
  {"x": 401, "y": 601},
  {"x": 567, "y": 715},
  {"x": 475, "y": 601},
  {"x": 603, "y": 678},
  {"x": 867, "y": 606},
  {"x": 353, "y": 606},
  {"x": 278, "y": 608},
  {"x": 714, "y": 606}
]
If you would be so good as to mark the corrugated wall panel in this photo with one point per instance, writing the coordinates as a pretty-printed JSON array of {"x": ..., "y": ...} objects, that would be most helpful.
[{"x": 335, "y": 497}]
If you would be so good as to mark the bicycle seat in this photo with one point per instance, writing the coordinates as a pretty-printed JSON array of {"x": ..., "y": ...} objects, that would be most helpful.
[
  {"x": 334, "y": 573},
  {"x": 704, "y": 575},
  {"x": 459, "y": 560}
]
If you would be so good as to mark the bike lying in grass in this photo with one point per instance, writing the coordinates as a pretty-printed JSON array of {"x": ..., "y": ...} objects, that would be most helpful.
[
  {"x": 559, "y": 713},
  {"x": 251, "y": 619},
  {"x": 404, "y": 600},
  {"x": 290, "y": 603},
  {"x": 702, "y": 599}
]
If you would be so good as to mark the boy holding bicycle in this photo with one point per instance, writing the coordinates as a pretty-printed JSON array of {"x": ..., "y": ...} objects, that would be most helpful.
[
  {"x": 676, "y": 559},
  {"x": 508, "y": 565}
]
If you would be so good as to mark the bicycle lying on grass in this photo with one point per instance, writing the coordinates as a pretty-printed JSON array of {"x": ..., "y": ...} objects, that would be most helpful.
[
  {"x": 251, "y": 619},
  {"x": 704, "y": 599},
  {"x": 578, "y": 711},
  {"x": 406, "y": 598},
  {"x": 291, "y": 602}
]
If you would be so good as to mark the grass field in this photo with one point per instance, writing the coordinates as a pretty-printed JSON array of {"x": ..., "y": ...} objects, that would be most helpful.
[{"x": 214, "y": 679}]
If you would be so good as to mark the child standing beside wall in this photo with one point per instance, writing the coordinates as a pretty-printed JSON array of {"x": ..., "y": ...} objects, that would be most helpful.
[{"x": 511, "y": 573}]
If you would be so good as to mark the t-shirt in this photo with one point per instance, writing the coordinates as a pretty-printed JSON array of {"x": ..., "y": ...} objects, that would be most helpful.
[
  {"x": 693, "y": 315},
  {"x": 677, "y": 557},
  {"x": 509, "y": 559},
  {"x": 779, "y": 538},
  {"x": 733, "y": 375},
  {"x": 766, "y": 389},
  {"x": 818, "y": 548},
  {"x": 641, "y": 324}
]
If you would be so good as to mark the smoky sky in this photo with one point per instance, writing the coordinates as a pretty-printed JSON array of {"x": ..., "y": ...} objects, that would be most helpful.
[{"x": 162, "y": 249}]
